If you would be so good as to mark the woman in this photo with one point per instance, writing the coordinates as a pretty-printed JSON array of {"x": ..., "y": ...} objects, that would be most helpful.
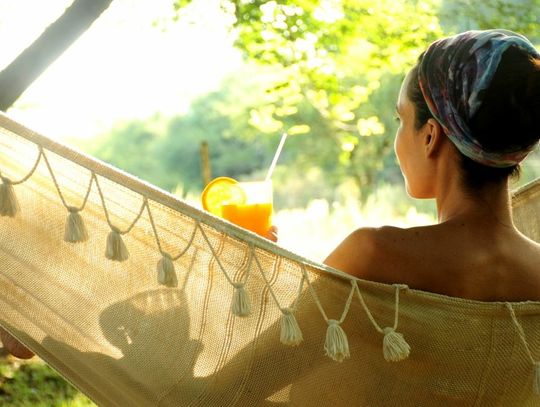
[{"x": 469, "y": 113}]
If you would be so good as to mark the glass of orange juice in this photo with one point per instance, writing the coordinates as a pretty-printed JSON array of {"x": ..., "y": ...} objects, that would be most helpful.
[
  {"x": 246, "y": 204},
  {"x": 255, "y": 213}
]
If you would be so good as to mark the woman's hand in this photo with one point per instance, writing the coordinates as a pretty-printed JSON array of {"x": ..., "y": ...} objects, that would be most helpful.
[
  {"x": 272, "y": 234},
  {"x": 14, "y": 347}
]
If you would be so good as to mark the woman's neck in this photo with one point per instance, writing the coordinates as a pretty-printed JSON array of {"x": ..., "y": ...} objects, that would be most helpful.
[{"x": 489, "y": 205}]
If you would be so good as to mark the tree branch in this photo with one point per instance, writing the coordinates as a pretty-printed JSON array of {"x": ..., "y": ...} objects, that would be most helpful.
[{"x": 58, "y": 37}]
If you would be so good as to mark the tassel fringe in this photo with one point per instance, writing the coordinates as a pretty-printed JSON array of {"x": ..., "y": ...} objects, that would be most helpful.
[
  {"x": 116, "y": 249},
  {"x": 395, "y": 348},
  {"x": 336, "y": 344},
  {"x": 241, "y": 305},
  {"x": 290, "y": 331},
  {"x": 75, "y": 231},
  {"x": 8, "y": 200},
  {"x": 166, "y": 272}
]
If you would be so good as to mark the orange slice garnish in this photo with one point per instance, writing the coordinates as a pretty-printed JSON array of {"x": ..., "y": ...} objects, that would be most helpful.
[{"x": 222, "y": 191}]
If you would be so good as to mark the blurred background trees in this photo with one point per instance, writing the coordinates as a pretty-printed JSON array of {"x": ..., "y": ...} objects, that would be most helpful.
[{"x": 327, "y": 72}]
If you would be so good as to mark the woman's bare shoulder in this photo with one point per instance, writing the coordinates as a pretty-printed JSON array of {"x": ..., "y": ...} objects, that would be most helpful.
[
  {"x": 448, "y": 259},
  {"x": 381, "y": 254}
]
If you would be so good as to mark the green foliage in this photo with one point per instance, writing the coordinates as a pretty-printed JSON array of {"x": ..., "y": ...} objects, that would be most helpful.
[
  {"x": 327, "y": 72},
  {"x": 332, "y": 56},
  {"x": 33, "y": 383},
  {"x": 328, "y": 61},
  {"x": 530, "y": 170},
  {"x": 128, "y": 146},
  {"x": 166, "y": 151},
  {"x": 522, "y": 16}
]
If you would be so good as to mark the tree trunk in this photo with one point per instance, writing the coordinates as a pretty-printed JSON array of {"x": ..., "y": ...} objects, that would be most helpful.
[{"x": 35, "y": 59}]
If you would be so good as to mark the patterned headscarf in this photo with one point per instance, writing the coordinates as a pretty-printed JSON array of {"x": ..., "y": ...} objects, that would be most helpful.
[{"x": 453, "y": 76}]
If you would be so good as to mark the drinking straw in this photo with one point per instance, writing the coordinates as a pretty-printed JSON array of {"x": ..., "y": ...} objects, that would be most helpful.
[{"x": 276, "y": 156}]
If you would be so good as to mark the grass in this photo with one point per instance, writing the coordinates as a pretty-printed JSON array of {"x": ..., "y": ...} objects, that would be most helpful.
[{"x": 32, "y": 383}]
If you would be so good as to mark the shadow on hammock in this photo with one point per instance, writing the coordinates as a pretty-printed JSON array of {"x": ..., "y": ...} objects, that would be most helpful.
[{"x": 151, "y": 332}]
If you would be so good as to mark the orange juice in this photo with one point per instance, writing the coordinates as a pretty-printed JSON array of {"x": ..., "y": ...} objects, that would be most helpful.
[
  {"x": 256, "y": 217},
  {"x": 246, "y": 204}
]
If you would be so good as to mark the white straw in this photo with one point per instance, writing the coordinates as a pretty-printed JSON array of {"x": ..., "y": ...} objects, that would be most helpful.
[{"x": 276, "y": 156}]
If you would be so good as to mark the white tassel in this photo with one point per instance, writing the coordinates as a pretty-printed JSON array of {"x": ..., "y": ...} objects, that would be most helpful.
[
  {"x": 116, "y": 249},
  {"x": 166, "y": 272},
  {"x": 241, "y": 306},
  {"x": 537, "y": 378},
  {"x": 290, "y": 331},
  {"x": 336, "y": 344},
  {"x": 8, "y": 200},
  {"x": 395, "y": 348},
  {"x": 75, "y": 230}
]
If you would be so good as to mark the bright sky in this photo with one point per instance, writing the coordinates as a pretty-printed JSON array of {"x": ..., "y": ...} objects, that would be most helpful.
[{"x": 121, "y": 68}]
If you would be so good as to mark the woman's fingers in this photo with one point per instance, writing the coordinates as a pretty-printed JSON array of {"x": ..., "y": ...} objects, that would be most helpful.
[{"x": 272, "y": 234}]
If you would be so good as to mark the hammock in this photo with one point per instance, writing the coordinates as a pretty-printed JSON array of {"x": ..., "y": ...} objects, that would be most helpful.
[{"x": 139, "y": 299}]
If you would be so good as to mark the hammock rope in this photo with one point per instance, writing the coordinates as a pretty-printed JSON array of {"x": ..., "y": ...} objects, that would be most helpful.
[
  {"x": 336, "y": 345},
  {"x": 116, "y": 249},
  {"x": 75, "y": 230},
  {"x": 158, "y": 241},
  {"x": 9, "y": 205},
  {"x": 395, "y": 348},
  {"x": 166, "y": 272},
  {"x": 290, "y": 333},
  {"x": 241, "y": 304},
  {"x": 57, "y": 186},
  {"x": 30, "y": 173}
]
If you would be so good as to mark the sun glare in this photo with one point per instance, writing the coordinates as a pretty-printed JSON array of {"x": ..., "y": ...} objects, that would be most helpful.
[{"x": 123, "y": 67}]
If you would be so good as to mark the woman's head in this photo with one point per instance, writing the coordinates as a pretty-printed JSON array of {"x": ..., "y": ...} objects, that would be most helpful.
[{"x": 483, "y": 87}]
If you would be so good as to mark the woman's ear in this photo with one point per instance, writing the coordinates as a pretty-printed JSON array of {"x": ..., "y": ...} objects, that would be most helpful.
[{"x": 433, "y": 137}]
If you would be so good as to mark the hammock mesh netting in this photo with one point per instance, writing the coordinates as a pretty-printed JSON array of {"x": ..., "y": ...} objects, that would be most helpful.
[{"x": 139, "y": 299}]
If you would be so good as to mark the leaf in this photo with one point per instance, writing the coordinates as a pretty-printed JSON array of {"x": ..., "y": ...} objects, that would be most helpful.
[
  {"x": 298, "y": 129},
  {"x": 370, "y": 126}
]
